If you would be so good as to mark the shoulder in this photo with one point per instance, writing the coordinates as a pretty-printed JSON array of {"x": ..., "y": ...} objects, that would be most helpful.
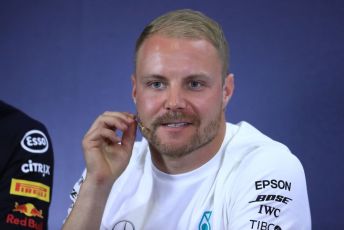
[
  {"x": 256, "y": 156},
  {"x": 15, "y": 120},
  {"x": 266, "y": 176},
  {"x": 21, "y": 133},
  {"x": 257, "y": 152}
]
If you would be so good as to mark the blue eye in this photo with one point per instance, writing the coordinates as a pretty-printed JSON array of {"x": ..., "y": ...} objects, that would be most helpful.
[
  {"x": 156, "y": 85},
  {"x": 195, "y": 84}
]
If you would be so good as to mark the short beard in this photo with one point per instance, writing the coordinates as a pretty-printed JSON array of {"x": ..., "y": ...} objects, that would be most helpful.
[{"x": 201, "y": 138}]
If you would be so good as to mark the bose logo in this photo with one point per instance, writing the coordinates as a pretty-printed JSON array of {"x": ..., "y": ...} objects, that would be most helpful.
[{"x": 35, "y": 141}]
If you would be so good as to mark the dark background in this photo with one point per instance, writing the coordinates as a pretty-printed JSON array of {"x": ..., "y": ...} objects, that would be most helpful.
[{"x": 65, "y": 62}]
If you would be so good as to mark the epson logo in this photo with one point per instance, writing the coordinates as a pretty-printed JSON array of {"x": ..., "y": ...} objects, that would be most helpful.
[
  {"x": 35, "y": 141},
  {"x": 279, "y": 184}
]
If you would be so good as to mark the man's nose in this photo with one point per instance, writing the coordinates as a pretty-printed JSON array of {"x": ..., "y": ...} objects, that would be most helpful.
[{"x": 175, "y": 98}]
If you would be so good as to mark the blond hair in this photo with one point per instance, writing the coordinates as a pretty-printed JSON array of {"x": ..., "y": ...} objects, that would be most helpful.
[{"x": 191, "y": 24}]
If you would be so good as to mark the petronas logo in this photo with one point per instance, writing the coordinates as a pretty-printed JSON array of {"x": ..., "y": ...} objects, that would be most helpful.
[{"x": 204, "y": 224}]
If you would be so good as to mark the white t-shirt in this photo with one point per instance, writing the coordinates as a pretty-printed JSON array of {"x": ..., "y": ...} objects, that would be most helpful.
[{"x": 252, "y": 182}]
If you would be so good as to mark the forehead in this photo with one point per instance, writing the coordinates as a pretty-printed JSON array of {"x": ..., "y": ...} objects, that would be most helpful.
[{"x": 158, "y": 53}]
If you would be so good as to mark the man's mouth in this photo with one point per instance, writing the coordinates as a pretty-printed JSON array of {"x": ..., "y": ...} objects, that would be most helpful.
[
  {"x": 176, "y": 120},
  {"x": 176, "y": 124}
]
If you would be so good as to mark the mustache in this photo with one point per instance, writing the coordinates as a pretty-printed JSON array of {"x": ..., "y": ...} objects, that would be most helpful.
[{"x": 170, "y": 117}]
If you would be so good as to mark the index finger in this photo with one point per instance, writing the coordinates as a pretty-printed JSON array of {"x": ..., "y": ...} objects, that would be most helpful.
[
  {"x": 115, "y": 120},
  {"x": 129, "y": 136}
]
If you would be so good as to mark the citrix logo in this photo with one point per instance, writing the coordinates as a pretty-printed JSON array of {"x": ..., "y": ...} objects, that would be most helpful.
[{"x": 44, "y": 169}]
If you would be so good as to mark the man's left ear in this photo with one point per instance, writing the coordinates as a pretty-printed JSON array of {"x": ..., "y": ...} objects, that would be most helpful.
[{"x": 228, "y": 88}]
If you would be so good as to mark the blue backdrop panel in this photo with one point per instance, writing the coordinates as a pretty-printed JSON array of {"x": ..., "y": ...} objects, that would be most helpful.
[{"x": 65, "y": 62}]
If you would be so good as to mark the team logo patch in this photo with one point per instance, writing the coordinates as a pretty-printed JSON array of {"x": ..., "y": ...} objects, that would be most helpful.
[
  {"x": 28, "y": 209},
  {"x": 124, "y": 225},
  {"x": 35, "y": 167},
  {"x": 204, "y": 224},
  {"x": 30, "y": 189},
  {"x": 26, "y": 222},
  {"x": 35, "y": 141}
]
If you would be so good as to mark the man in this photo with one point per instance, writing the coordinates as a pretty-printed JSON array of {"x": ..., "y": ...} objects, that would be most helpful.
[
  {"x": 26, "y": 170},
  {"x": 192, "y": 170}
]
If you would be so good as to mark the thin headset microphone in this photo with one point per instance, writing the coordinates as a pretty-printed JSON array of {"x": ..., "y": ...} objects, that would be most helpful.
[{"x": 140, "y": 124}]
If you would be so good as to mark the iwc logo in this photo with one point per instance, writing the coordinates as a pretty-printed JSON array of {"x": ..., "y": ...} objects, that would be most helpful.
[
  {"x": 204, "y": 224},
  {"x": 124, "y": 225}
]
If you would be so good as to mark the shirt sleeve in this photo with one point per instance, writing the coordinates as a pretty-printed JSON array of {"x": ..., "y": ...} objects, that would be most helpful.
[
  {"x": 270, "y": 193},
  {"x": 75, "y": 191},
  {"x": 27, "y": 175}
]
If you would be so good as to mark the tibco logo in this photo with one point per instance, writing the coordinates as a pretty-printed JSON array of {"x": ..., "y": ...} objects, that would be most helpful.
[
  {"x": 35, "y": 141},
  {"x": 262, "y": 225}
]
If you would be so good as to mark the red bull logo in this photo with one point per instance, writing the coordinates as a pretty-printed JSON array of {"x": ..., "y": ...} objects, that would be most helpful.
[
  {"x": 28, "y": 209},
  {"x": 26, "y": 222}
]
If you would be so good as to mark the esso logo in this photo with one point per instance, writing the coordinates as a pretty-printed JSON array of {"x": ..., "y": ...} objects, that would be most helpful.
[{"x": 35, "y": 141}]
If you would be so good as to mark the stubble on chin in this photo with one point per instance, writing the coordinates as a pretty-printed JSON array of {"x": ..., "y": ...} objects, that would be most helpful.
[{"x": 200, "y": 138}]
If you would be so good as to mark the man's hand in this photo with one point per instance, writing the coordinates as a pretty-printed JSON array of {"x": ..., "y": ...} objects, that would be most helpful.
[{"x": 107, "y": 154}]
